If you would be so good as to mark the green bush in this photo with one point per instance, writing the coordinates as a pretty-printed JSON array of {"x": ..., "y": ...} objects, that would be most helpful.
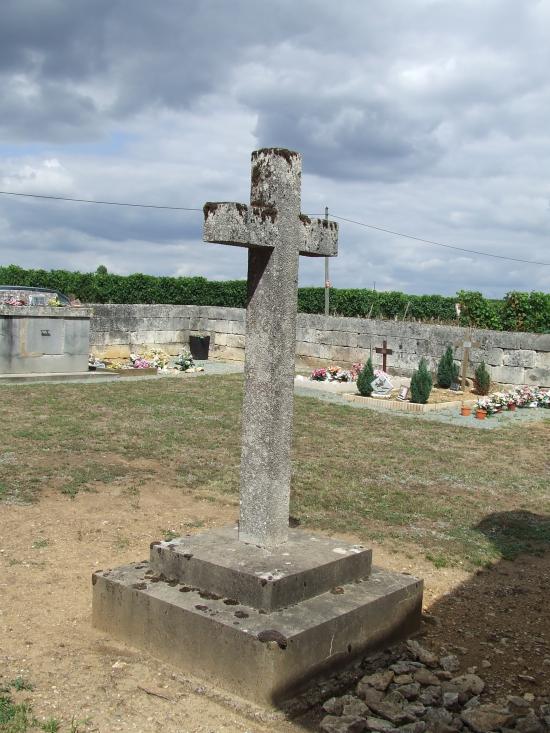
[
  {"x": 421, "y": 383},
  {"x": 366, "y": 376},
  {"x": 447, "y": 370},
  {"x": 482, "y": 379},
  {"x": 517, "y": 312}
]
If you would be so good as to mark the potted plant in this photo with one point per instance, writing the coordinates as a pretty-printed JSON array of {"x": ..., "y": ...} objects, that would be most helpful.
[
  {"x": 465, "y": 410},
  {"x": 485, "y": 406},
  {"x": 199, "y": 346}
]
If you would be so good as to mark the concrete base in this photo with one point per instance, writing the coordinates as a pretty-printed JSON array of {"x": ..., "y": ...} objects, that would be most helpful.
[
  {"x": 88, "y": 376},
  {"x": 228, "y": 638}
]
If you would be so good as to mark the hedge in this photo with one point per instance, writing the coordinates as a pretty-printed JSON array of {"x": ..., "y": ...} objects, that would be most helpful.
[{"x": 516, "y": 312}]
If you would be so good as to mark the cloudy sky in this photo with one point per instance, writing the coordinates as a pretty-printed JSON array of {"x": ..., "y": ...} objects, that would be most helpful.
[{"x": 428, "y": 117}]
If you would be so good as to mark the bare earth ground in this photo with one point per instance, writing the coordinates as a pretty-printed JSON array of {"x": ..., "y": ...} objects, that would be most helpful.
[
  {"x": 45, "y": 621},
  {"x": 500, "y": 615},
  {"x": 496, "y": 617}
]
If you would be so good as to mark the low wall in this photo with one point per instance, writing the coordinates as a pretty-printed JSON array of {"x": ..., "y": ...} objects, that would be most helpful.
[{"x": 512, "y": 358}]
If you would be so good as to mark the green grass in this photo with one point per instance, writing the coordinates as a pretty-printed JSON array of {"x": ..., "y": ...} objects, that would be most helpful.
[
  {"x": 17, "y": 717},
  {"x": 447, "y": 493}
]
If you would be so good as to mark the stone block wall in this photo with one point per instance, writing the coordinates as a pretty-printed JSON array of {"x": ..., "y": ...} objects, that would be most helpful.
[{"x": 512, "y": 358}]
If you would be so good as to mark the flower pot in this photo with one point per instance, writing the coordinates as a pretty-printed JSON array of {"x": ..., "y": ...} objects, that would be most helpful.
[
  {"x": 511, "y": 406},
  {"x": 465, "y": 410},
  {"x": 481, "y": 414},
  {"x": 199, "y": 346}
]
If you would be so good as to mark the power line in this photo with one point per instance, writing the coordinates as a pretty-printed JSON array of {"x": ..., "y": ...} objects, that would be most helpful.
[
  {"x": 335, "y": 216},
  {"x": 90, "y": 201},
  {"x": 440, "y": 244}
]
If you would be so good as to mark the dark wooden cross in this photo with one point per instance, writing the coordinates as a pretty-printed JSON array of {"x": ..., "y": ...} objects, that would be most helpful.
[
  {"x": 466, "y": 344},
  {"x": 384, "y": 351},
  {"x": 275, "y": 234}
]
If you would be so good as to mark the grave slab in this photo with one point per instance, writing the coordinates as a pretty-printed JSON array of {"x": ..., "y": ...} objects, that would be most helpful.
[
  {"x": 267, "y": 579},
  {"x": 266, "y": 658}
]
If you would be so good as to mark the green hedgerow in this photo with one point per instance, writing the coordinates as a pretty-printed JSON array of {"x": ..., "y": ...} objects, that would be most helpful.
[
  {"x": 366, "y": 376},
  {"x": 421, "y": 383}
]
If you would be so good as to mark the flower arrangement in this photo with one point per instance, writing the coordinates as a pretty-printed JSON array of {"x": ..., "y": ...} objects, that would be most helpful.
[
  {"x": 157, "y": 358},
  {"x": 12, "y": 300},
  {"x": 335, "y": 373},
  {"x": 486, "y": 404},
  {"x": 184, "y": 362},
  {"x": 138, "y": 362},
  {"x": 319, "y": 375},
  {"x": 520, "y": 397}
]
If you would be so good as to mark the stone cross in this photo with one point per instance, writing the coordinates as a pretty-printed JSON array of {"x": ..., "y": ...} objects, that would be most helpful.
[
  {"x": 466, "y": 345},
  {"x": 275, "y": 233},
  {"x": 384, "y": 351}
]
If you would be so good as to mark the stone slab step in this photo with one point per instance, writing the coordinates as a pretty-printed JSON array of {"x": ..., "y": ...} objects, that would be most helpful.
[
  {"x": 304, "y": 567},
  {"x": 263, "y": 658}
]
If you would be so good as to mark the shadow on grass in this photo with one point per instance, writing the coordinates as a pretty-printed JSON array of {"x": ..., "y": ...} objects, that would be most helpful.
[{"x": 516, "y": 532}]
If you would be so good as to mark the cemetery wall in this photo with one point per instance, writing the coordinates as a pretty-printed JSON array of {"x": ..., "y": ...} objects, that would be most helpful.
[{"x": 512, "y": 357}]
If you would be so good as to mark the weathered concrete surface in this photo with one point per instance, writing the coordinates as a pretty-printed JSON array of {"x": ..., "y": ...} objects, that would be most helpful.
[
  {"x": 40, "y": 339},
  {"x": 275, "y": 234},
  {"x": 265, "y": 658},
  {"x": 304, "y": 567},
  {"x": 320, "y": 340},
  {"x": 100, "y": 375}
]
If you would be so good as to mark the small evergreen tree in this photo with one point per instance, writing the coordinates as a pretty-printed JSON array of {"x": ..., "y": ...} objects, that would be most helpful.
[
  {"x": 482, "y": 379},
  {"x": 421, "y": 383},
  {"x": 447, "y": 370},
  {"x": 366, "y": 376}
]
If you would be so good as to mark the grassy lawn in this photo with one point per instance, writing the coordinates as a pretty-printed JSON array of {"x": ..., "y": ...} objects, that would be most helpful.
[{"x": 452, "y": 494}]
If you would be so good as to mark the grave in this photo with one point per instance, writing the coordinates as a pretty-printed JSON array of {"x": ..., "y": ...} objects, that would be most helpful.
[
  {"x": 36, "y": 338},
  {"x": 261, "y": 609},
  {"x": 466, "y": 344}
]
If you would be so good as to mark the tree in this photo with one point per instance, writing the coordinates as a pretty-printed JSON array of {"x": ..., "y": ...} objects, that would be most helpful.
[
  {"x": 447, "y": 370},
  {"x": 366, "y": 376},
  {"x": 101, "y": 270},
  {"x": 482, "y": 379},
  {"x": 421, "y": 383}
]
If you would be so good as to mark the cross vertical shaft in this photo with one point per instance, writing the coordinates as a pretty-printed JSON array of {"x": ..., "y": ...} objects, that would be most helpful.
[
  {"x": 276, "y": 234},
  {"x": 269, "y": 357}
]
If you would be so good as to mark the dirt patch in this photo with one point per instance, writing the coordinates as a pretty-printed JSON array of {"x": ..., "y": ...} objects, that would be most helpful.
[{"x": 49, "y": 550}]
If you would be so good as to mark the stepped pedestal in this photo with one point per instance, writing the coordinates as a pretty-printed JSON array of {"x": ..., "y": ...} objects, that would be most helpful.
[{"x": 259, "y": 623}]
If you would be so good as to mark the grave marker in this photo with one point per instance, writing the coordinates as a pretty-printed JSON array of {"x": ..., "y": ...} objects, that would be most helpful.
[
  {"x": 180, "y": 606},
  {"x": 466, "y": 344},
  {"x": 385, "y": 352},
  {"x": 276, "y": 234}
]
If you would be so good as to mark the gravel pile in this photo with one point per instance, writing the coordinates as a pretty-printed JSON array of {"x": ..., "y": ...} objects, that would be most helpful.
[{"x": 417, "y": 691}]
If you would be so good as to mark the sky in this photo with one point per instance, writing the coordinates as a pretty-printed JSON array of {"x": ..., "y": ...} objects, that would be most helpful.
[{"x": 426, "y": 117}]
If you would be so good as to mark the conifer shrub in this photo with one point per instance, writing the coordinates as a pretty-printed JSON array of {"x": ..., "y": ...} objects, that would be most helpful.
[
  {"x": 447, "y": 370},
  {"x": 366, "y": 376},
  {"x": 421, "y": 383},
  {"x": 482, "y": 379}
]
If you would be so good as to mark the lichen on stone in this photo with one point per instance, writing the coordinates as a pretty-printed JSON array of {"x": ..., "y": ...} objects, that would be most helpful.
[
  {"x": 209, "y": 208},
  {"x": 288, "y": 155}
]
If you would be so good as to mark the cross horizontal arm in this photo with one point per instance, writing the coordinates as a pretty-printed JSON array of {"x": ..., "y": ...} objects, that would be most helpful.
[
  {"x": 319, "y": 238},
  {"x": 257, "y": 226}
]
